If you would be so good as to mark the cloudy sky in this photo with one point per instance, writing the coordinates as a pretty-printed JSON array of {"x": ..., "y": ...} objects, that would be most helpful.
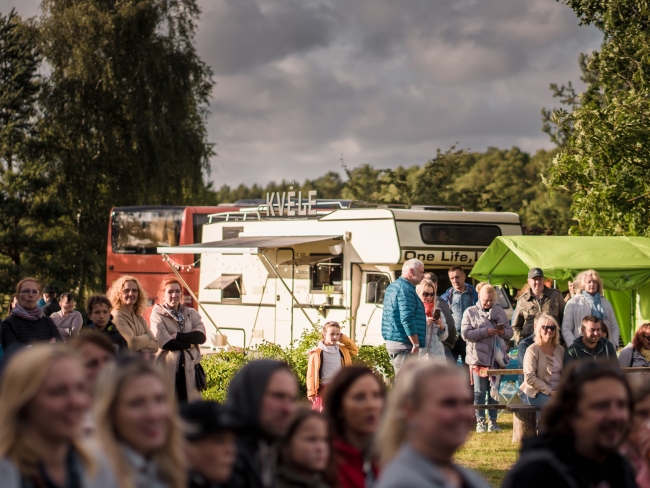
[{"x": 383, "y": 82}]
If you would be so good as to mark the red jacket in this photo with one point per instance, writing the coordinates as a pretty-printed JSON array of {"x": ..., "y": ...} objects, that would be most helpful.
[{"x": 351, "y": 466}]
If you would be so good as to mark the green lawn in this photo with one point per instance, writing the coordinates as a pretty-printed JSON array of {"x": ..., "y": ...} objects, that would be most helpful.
[{"x": 491, "y": 455}]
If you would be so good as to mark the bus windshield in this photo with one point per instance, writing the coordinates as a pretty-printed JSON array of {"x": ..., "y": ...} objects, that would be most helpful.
[{"x": 141, "y": 232}]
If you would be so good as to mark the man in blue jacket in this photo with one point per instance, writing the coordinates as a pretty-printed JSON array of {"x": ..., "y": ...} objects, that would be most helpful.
[
  {"x": 460, "y": 297},
  {"x": 404, "y": 322}
]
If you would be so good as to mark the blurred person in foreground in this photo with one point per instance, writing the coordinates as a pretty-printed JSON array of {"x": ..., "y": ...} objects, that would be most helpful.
[
  {"x": 403, "y": 320},
  {"x": 129, "y": 301},
  {"x": 583, "y": 426},
  {"x": 354, "y": 402},
  {"x": 306, "y": 454},
  {"x": 179, "y": 331},
  {"x": 543, "y": 363},
  {"x": 591, "y": 346},
  {"x": 67, "y": 320},
  {"x": 538, "y": 299},
  {"x": 138, "y": 428},
  {"x": 485, "y": 329},
  {"x": 637, "y": 353},
  {"x": 98, "y": 308},
  {"x": 43, "y": 400},
  {"x": 210, "y": 448},
  {"x": 26, "y": 323},
  {"x": 452, "y": 335},
  {"x": 262, "y": 399},
  {"x": 429, "y": 417},
  {"x": 637, "y": 447}
]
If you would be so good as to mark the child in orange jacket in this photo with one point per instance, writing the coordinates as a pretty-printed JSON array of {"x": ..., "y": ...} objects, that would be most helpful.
[{"x": 332, "y": 353}]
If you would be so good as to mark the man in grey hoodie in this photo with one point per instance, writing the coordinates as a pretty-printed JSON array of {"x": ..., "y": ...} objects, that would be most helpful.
[{"x": 262, "y": 399}]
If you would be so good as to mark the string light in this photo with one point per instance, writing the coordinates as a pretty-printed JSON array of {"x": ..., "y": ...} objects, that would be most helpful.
[{"x": 182, "y": 267}]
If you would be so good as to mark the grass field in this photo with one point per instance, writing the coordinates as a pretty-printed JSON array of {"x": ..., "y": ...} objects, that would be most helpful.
[{"x": 491, "y": 455}]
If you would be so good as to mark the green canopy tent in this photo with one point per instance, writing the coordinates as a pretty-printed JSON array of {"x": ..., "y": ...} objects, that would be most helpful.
[{"x": 622, "y": 262}]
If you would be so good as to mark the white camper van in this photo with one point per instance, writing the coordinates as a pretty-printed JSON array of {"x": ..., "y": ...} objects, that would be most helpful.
[{"x": 265, "y": 277}]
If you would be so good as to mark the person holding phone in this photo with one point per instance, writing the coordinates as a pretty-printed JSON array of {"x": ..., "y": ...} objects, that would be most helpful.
[{"x": 437, "y": 330}]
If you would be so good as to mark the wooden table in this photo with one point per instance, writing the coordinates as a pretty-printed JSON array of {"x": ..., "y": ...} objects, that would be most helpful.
[{"x": 504, "y": 372}]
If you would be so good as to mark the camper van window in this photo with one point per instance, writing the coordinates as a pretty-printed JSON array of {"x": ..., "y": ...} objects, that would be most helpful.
[
  {"x": 231, "y": 232},
  {"x": 376, "y": 285},
  {"x": 233, "y": 291},
  {"x": 326, "y": 273},
  {"x": 455, "y": 234}
]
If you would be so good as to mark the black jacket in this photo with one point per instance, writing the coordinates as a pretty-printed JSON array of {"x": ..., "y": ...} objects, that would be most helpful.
[
  {"x": 550, "y": 461},
  {"x": 113, "y": 334},
  {"x": 604, "y": 351},
  {"x": 198, "y": 481},
  {"x": 51, "y": 306},
  {"x": 15, "y": 330},
  {"x": 245, "y": 394},
  {"x": 290, "y": 478}
]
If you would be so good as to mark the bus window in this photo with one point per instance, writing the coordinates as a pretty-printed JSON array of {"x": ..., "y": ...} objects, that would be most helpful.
[
  {"x": 141, "y": 232},
  {"x": 327, "y": 272},
  {"x": 376, "y": 285},
  {"x": 455, "y": 234}
]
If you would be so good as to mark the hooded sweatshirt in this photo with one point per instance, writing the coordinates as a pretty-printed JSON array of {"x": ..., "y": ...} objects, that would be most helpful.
[
  {"x": 604, "y": 351},
  {"x": 551, "y": 460},
  {"x": 256, "y": 454}
]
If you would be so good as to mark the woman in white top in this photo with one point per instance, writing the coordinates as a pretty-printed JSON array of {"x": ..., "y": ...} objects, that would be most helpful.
[
  {"x": 437, "y": 330},
  {"x": 543, "y": 362},
  {"x": 588, "y": 300},
  {"x": 67, "y": 320}
]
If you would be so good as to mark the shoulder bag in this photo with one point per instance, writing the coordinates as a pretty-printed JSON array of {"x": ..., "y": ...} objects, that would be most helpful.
[{"x": 199, "y": 374}]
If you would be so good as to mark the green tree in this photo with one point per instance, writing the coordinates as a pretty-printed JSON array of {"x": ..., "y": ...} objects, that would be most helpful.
[
  {"x": 29, "y": 245},
  {"x": 125, "y": 109},
  {"x": 606, "y": 159}
]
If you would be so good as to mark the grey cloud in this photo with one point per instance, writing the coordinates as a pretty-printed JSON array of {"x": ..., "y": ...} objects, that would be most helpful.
[{"x": 237, "y": 35}]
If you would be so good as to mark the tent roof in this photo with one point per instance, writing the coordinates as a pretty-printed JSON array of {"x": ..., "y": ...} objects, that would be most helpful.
[{"x": 622, "y": 262}]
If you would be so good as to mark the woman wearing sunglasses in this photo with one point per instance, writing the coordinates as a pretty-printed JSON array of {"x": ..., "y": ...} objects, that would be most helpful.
[
  {"x": 543, "y": 362},
  {"x": 436, "y": 324}
]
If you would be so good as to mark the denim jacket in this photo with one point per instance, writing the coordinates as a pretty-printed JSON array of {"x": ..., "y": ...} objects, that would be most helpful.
[{"x": 467, "y": 299}]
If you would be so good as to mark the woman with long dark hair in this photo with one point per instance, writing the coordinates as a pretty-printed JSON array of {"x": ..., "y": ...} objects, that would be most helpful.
[{"x": 354, "y": 402}]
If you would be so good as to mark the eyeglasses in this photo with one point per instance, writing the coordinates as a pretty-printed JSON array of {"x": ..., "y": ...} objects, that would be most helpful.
[
  {"x": 427, "y": 294},
  {"x": 549, "y": 328},
  {"x": 31, "y": 292}
]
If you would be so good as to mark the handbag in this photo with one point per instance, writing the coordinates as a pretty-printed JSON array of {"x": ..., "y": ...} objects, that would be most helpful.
[{"x": 199, "y": 375}]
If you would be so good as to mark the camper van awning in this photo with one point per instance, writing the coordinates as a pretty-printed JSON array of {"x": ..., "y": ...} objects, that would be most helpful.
[
  {"x": 304, "y": 260},
  {"x": 244, "y": 245},
  {"x": 222, "y": 282}
]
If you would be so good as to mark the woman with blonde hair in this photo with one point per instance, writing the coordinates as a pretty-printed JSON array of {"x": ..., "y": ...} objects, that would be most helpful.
[
  {"x": 588, "y": 300},
  {"x": 437, "y": 330},
  {"x": 43, "y": 401},
  {"x": 138, "y": 427},
  {"x": 428, "y": 418},
  {"x": 543, "y": 362},
  {"x": 129, "y": 299},
  {"x": 179, "y": 331}
]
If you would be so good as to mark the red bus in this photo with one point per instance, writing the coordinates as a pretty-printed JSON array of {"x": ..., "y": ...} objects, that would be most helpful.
[{"x": 134, "y": 233}]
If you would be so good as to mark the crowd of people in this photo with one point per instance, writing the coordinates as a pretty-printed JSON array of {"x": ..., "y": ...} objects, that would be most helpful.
[{"x": 117, "y": 402}]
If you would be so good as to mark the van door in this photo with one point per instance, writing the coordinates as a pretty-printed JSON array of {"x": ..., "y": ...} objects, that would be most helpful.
[
  {"x": 368, "y": 318},
  {"x": 284, "y": 301}
]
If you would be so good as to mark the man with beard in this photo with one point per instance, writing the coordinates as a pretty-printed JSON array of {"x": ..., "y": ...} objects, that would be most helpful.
[
  {"x": 262, "y": 399},
  {"x": 582, "y": 427}
]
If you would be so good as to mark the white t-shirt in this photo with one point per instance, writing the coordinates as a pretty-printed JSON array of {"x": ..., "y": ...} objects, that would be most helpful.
[{"x": 331, "y": 362}]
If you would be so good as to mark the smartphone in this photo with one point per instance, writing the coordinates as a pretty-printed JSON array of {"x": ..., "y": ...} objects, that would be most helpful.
[
  {"x": 500, "y": 326},
  {"x": 436, "y": 314}
]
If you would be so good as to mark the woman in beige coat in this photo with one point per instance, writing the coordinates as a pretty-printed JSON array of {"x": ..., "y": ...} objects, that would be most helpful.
[
  {"x": 129, "y": 300},
  {"x": 179, "y": 331},
  {"x": 543, "y": 362}
]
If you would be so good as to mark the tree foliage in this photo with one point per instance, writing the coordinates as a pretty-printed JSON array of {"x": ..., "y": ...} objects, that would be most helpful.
[
  {"x": 605, "y": 161},
  {"x": 124, "y": 106}
]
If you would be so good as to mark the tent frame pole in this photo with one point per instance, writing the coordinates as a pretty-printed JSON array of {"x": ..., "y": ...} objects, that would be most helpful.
[{"x": 268, "y": 261}]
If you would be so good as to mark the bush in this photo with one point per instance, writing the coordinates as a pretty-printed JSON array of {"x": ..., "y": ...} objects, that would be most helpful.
[{"x": 221, "y": 367}]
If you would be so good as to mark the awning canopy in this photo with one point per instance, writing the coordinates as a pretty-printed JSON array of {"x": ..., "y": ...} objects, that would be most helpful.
[
  {"x": 244, "y": 245},
  {"x": 222, "y": 282},
  {"x": 308, "y": 260},
  {"x": 622, "y": 262}
]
